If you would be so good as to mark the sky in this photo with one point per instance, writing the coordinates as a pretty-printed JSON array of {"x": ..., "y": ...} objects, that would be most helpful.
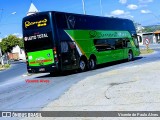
[{"x": 144, "y": 12}]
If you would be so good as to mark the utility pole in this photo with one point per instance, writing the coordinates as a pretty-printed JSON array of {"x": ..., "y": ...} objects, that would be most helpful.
[
  {"x": 83, "y": 4},
  {"x": 101, "y": 7},
  {"x": 1, "y": 57}
]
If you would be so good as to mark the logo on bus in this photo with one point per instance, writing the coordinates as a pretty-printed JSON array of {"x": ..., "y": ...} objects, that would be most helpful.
[
  {"x": 39, "y": 23},
  {"x": 40, "y": 60},
  {"x": 93, "y": 34}
]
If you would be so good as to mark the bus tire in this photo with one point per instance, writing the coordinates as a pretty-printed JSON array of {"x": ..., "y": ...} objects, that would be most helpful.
[
  {"x": 82, "y": 65},
  {"x": 130, "y": 56},
  {"x": 92, "y": 64}
]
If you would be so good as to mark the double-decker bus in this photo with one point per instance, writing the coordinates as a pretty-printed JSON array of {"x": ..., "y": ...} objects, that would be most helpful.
[{"x": 58, "y": 41}]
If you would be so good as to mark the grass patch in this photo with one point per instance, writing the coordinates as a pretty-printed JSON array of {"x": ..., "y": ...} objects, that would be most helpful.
[
  {"x": 5, "y": 66},
  {"x": 145, "y": 51}
]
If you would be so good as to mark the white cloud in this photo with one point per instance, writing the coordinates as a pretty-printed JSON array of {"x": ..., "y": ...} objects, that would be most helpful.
[
  {"x": 117, "y": 12},
  {"x": 145, "y": 1},
  {"x": 13, "y": 13},
  {"x": 123, "y": 1},
  {"x": 121, "y": 14},
  {"x": 132, "y": 7},
  {"x": 18, "y": 35},
  {"x": 145, "y": 11}
]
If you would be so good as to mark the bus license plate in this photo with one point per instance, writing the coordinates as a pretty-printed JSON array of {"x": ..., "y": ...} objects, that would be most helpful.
[{"x": 42, "y": 69}]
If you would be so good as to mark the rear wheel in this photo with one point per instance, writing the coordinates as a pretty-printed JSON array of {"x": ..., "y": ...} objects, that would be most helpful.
[{"x": 92, "y": 64}]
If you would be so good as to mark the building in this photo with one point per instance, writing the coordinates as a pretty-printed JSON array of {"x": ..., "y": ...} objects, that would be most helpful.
[
  {"x": 153, "y": 37},
  {"x": 17, "y": 54}
]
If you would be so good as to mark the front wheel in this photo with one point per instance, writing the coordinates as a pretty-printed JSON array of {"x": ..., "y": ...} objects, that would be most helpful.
[{"x": 130, "y": 56}]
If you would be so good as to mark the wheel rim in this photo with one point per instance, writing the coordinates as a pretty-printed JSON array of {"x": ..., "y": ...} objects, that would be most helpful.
[
  {"x": 92, "y": 64},
  {"x": 130, "y": 56},
  {"x": 82, "y": 65}
]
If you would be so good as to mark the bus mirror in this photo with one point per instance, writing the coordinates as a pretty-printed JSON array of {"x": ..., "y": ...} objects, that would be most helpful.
[{"x": 134, "y": 35}]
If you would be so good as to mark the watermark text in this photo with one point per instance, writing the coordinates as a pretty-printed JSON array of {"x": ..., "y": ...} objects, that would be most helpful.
[{"x": 37, "y": 81}]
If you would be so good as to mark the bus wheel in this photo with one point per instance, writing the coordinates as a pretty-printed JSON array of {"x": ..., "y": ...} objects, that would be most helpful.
[
  {"x": 92, "y": 64},
  {"x": 130, "y": 56},
  {"x": 82, "y": 65}
]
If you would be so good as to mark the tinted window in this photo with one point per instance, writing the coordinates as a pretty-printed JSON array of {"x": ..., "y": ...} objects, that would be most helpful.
[
  {"x": 104, "y": 44},
  {"x": 62, "y": 24},
  {"x": 86, "y": 22},
  {"x": 125, "y": 42},
  {"x": 61, "y": 20},
  {"x": 119, "y": 44},
  {"x": 40, "y": 42},
  {"x": 110, "y": 44}
]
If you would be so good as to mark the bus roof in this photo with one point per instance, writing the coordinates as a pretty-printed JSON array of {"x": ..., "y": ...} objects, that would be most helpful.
[
  {"x": 93, "y": 22},
  {"x": 46, "y": 12}
]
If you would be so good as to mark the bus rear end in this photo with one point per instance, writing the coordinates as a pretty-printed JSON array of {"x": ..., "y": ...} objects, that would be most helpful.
[{"x": 38, "y": 35}]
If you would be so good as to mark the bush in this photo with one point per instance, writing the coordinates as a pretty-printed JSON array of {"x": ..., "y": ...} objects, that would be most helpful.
[{"x": 7, "y": 65}]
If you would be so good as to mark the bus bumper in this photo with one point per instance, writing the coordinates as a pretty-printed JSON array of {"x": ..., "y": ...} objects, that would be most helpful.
[{"x": 42, "y": 69}]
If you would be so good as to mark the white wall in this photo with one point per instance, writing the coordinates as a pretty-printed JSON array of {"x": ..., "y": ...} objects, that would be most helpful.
[
  {"x": 140, "y": 34},
  {"x": 20, "y": 52}
]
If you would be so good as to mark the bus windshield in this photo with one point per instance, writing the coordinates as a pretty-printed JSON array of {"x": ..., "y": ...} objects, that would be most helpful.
[{"x": 37, "y": 33}]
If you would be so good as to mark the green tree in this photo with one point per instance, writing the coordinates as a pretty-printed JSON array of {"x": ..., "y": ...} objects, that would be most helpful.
[
  {"x": 147, "y": 29},
  {"x": 9, "y": 42},
  {"x": 21, "y": 43}
]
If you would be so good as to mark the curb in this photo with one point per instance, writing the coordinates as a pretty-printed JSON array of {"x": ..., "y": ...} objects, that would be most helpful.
[
  {"x": 1, "y": 69},
  {"x": 27, "y": 74},
  {"x": 150, "y": 48}
]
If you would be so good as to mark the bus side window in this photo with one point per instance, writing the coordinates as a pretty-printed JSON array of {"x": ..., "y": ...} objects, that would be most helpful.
[
  {"x": 64, "y": 47},
  {"x": 104, "y": 44},
  {"x": 126, "y": 43},
  {"x": 119, "y": 44}
]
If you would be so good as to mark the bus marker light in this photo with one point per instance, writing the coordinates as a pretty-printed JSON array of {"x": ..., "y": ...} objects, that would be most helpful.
[
  {"x": 54, "y": 49},
  {"x": 55, "y": 52}
]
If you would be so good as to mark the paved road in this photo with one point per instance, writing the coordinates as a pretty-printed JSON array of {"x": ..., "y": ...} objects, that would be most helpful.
[
  {"x": 131, "y": 88},
  {"x": 17, "y": 94},
  {"x": 17, "y": 69}
]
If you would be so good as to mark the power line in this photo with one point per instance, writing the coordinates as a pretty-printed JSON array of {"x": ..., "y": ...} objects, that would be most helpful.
[{"x": 1, "y": 14}]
